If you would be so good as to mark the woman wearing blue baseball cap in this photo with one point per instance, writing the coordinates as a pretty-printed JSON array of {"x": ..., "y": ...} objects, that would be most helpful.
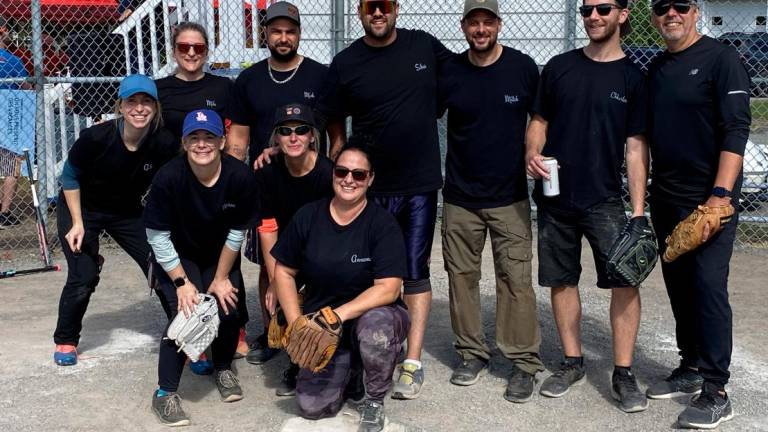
[
  {"x": 197, "y": 211},
  {"x": 108, "y": 170}
]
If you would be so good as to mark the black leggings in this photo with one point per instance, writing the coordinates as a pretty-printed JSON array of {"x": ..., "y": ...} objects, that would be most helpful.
[
  {"x": 82, "y": 268},
  {"x": 171, "y": 363}
]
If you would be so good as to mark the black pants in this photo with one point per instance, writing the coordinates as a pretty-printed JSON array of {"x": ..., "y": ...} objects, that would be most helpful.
[
  {"x": 82, "y": 268},
  {"x": 171, "y": 363},
  {"x": 697, "y": 285}
]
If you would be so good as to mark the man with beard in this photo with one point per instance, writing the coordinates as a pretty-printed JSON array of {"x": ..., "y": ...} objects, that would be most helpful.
[
  {"x": 387, "y": 81},
  {"x": 489, "y": 91},
  {"x": 590, "y": 102},
  {"x": 283, "y": 78},
  {"x": 698, "y": 130}
]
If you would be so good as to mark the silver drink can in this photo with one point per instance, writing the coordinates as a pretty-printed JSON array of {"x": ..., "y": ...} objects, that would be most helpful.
[{"x": 551, "y": 186}]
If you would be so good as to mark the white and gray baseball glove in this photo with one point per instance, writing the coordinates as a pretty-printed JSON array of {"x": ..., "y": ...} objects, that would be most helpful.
[{"x": 196, "y": 333}]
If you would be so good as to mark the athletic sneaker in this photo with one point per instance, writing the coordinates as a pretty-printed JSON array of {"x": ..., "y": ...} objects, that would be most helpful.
[
  {"x": 242, "y": 346},
  {"x": 8, "y": 219},
  {"x": 706, "y": 410},
  {"x": 287, "y": 386},
  {"x": 65, "y": 355},
  {"x": 624, "y": 389},
  {"x": 371, "y": 416},
  {"x": 571, "y": 372},
  {"x": 202, "y": 366},
  {"x": 519, "y": 386},
  {"x": 682, "y": 381},
  {"x": 229, "y": 386},
  {"x": 168, "y": 410},
  {"x": 469, "y": 372},
  {"x": 260, "y": 351},
  {"x": 409, "y": 382}
]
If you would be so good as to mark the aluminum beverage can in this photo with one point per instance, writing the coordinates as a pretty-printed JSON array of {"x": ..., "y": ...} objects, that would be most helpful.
[{"x": 551, "y": 186}]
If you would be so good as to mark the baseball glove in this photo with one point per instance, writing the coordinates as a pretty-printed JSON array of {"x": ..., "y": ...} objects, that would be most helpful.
[
  {"x": 688, "y": 234},
  {"x": 196, "y": 333},
  {"x": 634, "y": 254},
  {"x": 311, "y": 339},
  {"x": 276, "y": 329}
]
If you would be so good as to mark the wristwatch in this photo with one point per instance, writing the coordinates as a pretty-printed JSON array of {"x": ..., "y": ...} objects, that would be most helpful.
[
  {"x": 180, "y": 281},
  {"x": 721, "y": 192}
]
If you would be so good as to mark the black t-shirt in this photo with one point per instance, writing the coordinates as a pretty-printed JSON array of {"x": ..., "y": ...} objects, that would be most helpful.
[
  {"x": 179, "y": 97},
  {"x": 340, "y": 262},
  {"x": 257, "y": 97},
  {"x": 488, "y": 109},
  {"x": 592, "y": 108},
  {"x": 282, "y": 194},
  {"x": 112, "y": 178},
  {"x": 391, "y": 95},
  {"x": 699, "y": 107},
  {"x": 200, "y": 217}
]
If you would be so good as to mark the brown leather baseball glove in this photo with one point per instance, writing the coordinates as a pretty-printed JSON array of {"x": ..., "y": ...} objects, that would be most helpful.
[
  {"x": 689, "y": 233},
  {"x": 312, "y": 339}
]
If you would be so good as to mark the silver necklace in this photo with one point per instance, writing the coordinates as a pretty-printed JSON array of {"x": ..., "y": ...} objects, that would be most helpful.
[{"x": 290, "y": 77}]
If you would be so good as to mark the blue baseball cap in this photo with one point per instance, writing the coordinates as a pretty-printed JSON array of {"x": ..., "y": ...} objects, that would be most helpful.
[
  {"x": 203, "y": 119},
  {"x": 137, "y": 83}
]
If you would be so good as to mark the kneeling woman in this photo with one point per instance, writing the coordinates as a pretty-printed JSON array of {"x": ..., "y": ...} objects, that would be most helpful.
[
  {"x": 351, "y": 255},
  {"x": 197, "y": 211}
]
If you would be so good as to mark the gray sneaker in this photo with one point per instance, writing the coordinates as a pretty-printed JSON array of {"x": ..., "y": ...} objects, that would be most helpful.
[
  {"x": 469, "y": 372},
  {"x": 624, "y": 389},
  {"x": 682, "y": 381},
  {"x": 168, "y": 410},
  {"x": 519, "y": 386},
  {"x": 558, "y": 384},
  {"x": 706, "y": 410},
  {"x": 409, "y": 382},
  {"x": 372, "y": 417},
  {"x": 229, "y": 385}
]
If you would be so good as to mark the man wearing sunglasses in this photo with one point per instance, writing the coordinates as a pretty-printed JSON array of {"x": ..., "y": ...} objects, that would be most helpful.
[
  {"x": 590, "y": 115},
  {"x": 285, "y": 77},
  {"x": 488, "y": 91},
  {"x": 698, "y": 128},
  {"x": 386, "y": 82}
]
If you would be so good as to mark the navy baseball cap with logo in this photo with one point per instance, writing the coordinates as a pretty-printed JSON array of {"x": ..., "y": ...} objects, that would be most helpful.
[
  {"x": 283, "y": 9},
  {"x": 203, "y": 119},
  {"x": 294, "y": 112},
  {"x": 137, "y": 83}
]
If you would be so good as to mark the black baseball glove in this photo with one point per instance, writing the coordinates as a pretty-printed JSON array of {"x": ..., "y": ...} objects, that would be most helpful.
[{"x": 634, "y": 254}]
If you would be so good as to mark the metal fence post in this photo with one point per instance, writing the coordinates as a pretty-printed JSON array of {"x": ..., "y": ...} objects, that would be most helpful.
[
  {"x": 41, "y": 144},
  {"x": 570, "y": 25},
  {"x": 338, "y": 26}
]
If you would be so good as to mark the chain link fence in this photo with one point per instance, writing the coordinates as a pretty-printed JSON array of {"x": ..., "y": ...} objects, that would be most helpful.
[{"x": 73, "y": 53}]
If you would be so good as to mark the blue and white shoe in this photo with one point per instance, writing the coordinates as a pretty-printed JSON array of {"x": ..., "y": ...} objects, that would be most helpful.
[{"x": 65, "y": 355}]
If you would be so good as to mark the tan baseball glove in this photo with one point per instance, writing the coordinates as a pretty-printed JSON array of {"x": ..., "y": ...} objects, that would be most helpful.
[
  {"x": 312, "y": 339},
  {"x": 689, "y": 233}
]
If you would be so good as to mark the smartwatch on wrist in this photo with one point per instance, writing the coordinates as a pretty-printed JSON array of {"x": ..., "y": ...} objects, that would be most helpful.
[
  {"x": 721, "y": 192},
  {"x": 180, "y": 281}
]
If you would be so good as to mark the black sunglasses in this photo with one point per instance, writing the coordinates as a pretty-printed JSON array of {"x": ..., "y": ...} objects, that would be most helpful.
[
  {"x": 661, "y": 9},
  {"x": 197, "y": 48},
  {"x": 603, "y": 9},
  {"x": 299, "y": 130},
  {"x": 357, "y": 174}
]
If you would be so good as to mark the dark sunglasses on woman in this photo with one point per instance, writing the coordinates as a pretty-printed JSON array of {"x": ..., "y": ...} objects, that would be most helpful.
[
  {"x": 199, "y": 48},
  {"x": 357, "y": 174},
  {"x": 299, "y": 130}
]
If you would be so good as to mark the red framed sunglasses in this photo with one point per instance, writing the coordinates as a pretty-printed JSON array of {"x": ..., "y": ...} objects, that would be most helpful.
[{"x": 198, "y": 48}]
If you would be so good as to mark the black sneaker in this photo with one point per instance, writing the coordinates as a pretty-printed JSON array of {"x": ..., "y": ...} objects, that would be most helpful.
[
  {"x": 469, "y": 371},
  {"x": 287, "y": 385},
  {"x": 229, "y": 385},
  {"x": 706, "y": 410},
  {"x": 682, "y": 381},
  {"x": 557, "y": 384},
  {"x": 372, "y": 417},
  {"x": 260, "y": 351},
  {"x": 624, "y": 389},
  {"x": 519, "y": 386},
  {"x": 168, "y": 410},
  {"x": 8, "y": 219}
]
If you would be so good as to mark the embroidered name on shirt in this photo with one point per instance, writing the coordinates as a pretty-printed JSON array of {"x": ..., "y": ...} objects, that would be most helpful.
[
  {"x": 210, "y": 103},
  {"x": 227, "y": 206},
  {"x": 355, "y": 259},
  {"x": 309, "y": 95},
  {"x": 618, "y": 97},
  {"x": 511, "y": 99},
  {"x": 420, "y": 67},
  {"x": 147, "y": 166}
]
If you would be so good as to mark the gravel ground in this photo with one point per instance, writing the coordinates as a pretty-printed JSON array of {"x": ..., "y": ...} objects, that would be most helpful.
[{"x": 111, "y": 387}]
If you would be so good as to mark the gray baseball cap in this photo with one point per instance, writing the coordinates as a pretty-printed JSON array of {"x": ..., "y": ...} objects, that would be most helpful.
[
  {"x": 491, "y": 6},
  {"x": 283, "y": 9}
]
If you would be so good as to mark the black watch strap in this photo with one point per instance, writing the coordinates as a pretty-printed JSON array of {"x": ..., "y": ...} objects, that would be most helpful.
[
  {"x": 180, "y": 281},
  {"x": 720, "y": 192}
]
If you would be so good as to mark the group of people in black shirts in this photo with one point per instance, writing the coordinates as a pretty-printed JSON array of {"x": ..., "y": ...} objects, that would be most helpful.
[{"x": 355, "y": 228}]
